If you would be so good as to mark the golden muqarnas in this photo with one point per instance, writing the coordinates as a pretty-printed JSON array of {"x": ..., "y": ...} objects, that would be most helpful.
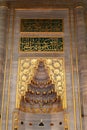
[{"x": 26, "y": 68}]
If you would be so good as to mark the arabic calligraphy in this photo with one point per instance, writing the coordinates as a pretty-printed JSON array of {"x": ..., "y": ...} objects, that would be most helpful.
[
  {"x": 41, "y": 25},
  {"x": 41, "y": 44}
]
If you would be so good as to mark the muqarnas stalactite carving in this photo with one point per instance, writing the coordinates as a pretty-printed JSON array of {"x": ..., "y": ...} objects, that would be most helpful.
[{"x": 41, "y": 96}]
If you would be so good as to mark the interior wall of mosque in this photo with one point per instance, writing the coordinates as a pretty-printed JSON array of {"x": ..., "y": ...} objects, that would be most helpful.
[{"x": 72, "y": 110}]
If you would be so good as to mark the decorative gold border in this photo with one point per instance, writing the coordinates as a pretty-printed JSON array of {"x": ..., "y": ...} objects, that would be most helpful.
[
  {"x": 42, "y": 33},
  {"x": 66, "y": 121},
  {"x": 45, "y": 9},
  {"x": 65, "y": 83}
]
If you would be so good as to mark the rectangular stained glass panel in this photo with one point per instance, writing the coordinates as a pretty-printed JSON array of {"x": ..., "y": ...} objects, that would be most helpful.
[
  {"x": 28, "y": 44},
  {"x": 41, "y": 25}
]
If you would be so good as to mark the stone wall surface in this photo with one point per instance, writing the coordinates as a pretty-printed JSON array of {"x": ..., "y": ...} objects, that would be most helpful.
[
  {"x": 50, "y": 121},
  {"x": 43, "y": 4},
  {"x": 3, "y": 34},
  {"x": 82, "y": 58}
]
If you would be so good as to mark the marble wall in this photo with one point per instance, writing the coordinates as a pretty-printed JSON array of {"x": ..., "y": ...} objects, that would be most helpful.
[
  {"x": 32, "y": 121},
  {"x": 3, "y": 35}
]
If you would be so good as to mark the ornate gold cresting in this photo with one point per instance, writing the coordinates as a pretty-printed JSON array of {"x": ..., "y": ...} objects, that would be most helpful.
[{"x": 26, "y": 68}]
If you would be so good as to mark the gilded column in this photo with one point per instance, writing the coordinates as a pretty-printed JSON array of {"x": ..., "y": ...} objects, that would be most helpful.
[
  {"x": 82, "y": 60},
  {"x": 3, "y": 32}
]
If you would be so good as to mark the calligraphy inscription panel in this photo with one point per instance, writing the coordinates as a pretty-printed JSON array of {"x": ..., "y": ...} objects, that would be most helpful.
[
  {"x": 41, "y": 25},
  {"x": 41, "y": 44}
]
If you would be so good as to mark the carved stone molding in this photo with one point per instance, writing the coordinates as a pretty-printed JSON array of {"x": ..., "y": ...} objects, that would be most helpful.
[
  {"x": 44, "y": 4},
  {"x": 3, "y": 4}
]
